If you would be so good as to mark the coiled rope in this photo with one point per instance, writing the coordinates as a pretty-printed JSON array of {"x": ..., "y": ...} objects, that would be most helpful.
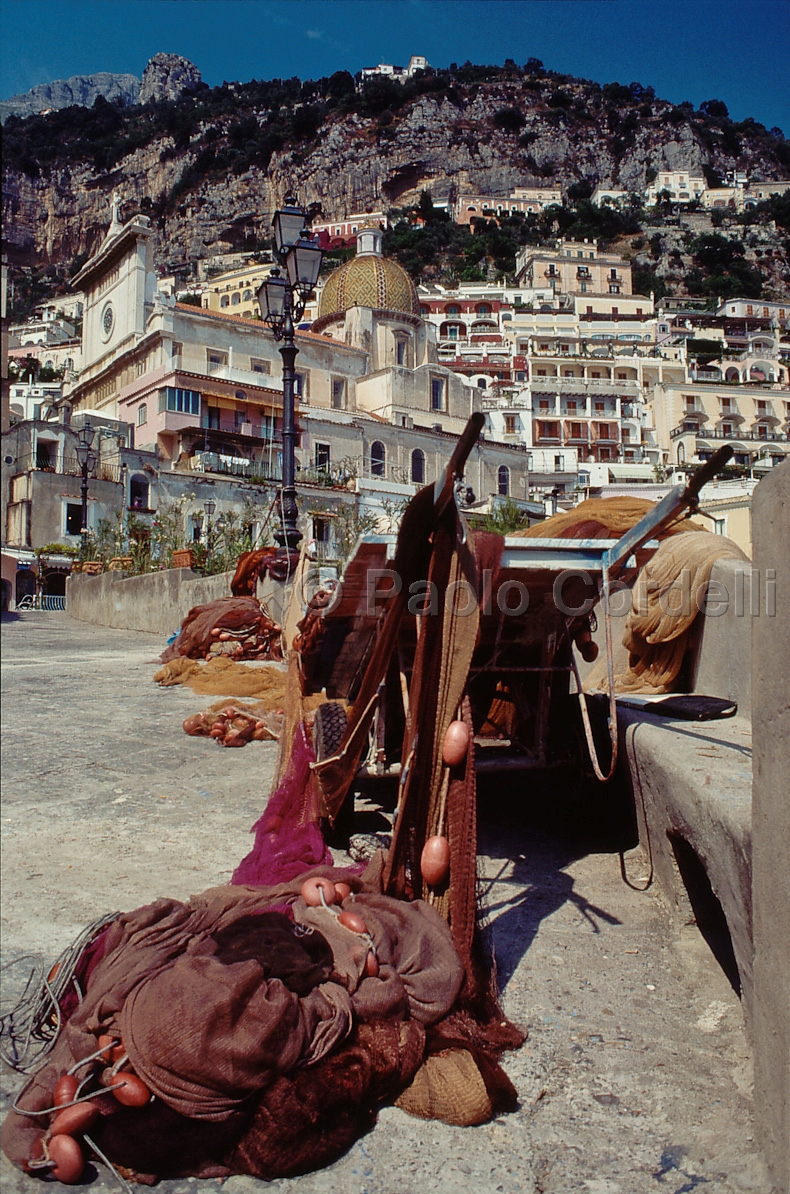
[{"x": 30, "y": 1028}]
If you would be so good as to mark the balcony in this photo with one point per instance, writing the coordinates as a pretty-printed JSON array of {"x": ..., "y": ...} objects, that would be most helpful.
[
  {"x": 243, "y": 377},
  {"x": 234, "y": 466},
  {"x": 544, "y": 433},
  {"x": 607, "y": 433},
  {"x": 593, "y": 385},
  {"x": 70, "y": 467},
  {"x": 717, "y": 433}
]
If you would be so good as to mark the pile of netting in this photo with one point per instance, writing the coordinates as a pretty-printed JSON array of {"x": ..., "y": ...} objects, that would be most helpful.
[
  {"x": 256, "y": 1028},
  {"x": 235, "y": 725},
  {"x": 238, "y": 626},
  {"x": 668, "y": 595}
]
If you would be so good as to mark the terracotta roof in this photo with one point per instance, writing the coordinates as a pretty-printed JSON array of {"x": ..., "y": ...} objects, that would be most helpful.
[{"x": 261, "y": 326}]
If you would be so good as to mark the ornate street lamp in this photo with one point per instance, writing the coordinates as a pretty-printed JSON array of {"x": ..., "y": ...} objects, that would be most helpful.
[
  {"x": 209, "y": 506},
  {"x": 86, "y": 460},
  {"x": 282, "y": 303}
]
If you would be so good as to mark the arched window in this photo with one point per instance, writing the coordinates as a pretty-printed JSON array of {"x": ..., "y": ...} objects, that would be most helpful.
[
  {"x": 503, "y": 481},
  {"x": 418, "y": 466},
  {"x": 481, "y": 383},
  {"x": 247, "y": 296},
  {"x": 224, "y": 300},
  {"x": 235, "y": 298},
  {"x": 453, "y": 310},
  {"x": 142, "y": 414},
  {"x": 138, "y": 493},
  {"x": 483, "y": 309},
  {"x": 377, "y": 458}
]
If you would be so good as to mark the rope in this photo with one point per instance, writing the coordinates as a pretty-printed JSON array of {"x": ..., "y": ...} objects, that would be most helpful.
[
  {"x": 30, "y": 1028},
  {"x": 613, "y": 735},
  {"x": 648, "y": 842}
]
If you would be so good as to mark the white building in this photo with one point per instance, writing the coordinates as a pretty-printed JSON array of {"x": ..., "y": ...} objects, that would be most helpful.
[{"x": 681, "y": 186}]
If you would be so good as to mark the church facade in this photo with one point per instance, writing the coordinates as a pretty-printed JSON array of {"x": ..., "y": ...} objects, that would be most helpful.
[{"x": 201, "y": 390}]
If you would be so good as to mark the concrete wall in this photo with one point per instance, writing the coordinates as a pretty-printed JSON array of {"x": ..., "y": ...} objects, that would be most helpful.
[
  {"x": 724, "y": 667},
  {"x": 771, "y": 829},
  {"x": 156, "y": 603}
]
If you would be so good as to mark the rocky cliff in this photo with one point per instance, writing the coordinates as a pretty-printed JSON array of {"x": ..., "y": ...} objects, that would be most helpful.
[
  {"x": 211, "y": 167},
  {"x": 166, "y": 76},
  {"x": 63, "y": 93}
]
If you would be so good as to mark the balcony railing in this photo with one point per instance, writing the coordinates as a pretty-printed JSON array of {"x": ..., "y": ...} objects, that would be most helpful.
[
  {"x": 613, "y": 386},
  {"x": 244, "y": 377},
  {"x": 230, "y": 466},
  {"x": 69, "y": 467},
  {"x": 717, "y": 433}
]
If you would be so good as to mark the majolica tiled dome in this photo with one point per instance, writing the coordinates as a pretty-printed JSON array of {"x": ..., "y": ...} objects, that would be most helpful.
[{"x": 369, "y": 280}]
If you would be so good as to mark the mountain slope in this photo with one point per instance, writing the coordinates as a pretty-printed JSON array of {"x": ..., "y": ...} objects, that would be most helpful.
[
  {"x": 63, "y": 93},
  {"x": 211, "y": 166}
]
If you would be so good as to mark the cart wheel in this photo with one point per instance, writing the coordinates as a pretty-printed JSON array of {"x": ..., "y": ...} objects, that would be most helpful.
[{"x": 328, "y": 729}]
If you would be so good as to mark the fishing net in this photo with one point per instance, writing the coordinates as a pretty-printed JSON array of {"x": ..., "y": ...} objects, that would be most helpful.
[
  {"x": 225, "y": 677},
  {"x": 600, "y": 518},
  {"x": 237, "y": 626},
  {"x": 288, "y": 840}
]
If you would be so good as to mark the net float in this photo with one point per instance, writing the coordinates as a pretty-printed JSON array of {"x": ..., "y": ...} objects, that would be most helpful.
[
  {"x": 68, "y": 1158},
  {"x": 193, "y": 724},
  {"x": 435, "y": 860},
  {"x": 312, "y": 888},
  {"x": 371, "y": 965},
  {"x": 65, "y": 1090},
  {"x": 589, "y": 650},
  {"x": 342, "y": 891},
  {"x": 113, "y": 1046},
  {"x": 455, "y": 744},
  {"x": 234, "y": 738},
  {"x": 353, "y": 921},
  {"x": 71, "y": 1121},
  {"x": 132, "y": 1091}
]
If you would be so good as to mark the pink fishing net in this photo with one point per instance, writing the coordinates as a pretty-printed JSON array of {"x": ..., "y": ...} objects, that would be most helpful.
[{"x": 288, "y": 839}]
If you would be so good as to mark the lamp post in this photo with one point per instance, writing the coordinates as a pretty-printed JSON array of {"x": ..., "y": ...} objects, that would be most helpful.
[
  {"x": 86, "y": 461},
  {"x": 209, "y": 507},
  {"x": 282, "y": 303}
]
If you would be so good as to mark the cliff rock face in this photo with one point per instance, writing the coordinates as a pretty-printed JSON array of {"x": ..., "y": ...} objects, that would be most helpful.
[
  {"x": 166, "y": 76},
  {"x": 446, "y": 143},
  {"x": 81, "y": 89}
]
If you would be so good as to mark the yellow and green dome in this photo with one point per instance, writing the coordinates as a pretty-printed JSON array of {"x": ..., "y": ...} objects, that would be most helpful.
[{"x": 368, "y": 280}]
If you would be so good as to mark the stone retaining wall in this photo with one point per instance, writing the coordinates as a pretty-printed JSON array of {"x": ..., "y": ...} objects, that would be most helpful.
[{"x": 155, "y": 603}]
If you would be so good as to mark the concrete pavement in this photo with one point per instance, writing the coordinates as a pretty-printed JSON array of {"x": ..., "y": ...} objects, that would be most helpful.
[{"x": 636, "y": 1077}]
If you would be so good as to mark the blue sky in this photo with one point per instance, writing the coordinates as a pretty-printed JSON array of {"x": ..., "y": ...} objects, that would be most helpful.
[{"x": 735, "y": 50}]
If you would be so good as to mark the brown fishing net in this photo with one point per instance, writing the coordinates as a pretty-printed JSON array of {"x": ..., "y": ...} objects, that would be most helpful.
[
  {"x": 233, "y": 626},
  {"x": 225, "y": 677},
  {"x": 599, "y": 518},
  {"x": 668, "y": 596}
]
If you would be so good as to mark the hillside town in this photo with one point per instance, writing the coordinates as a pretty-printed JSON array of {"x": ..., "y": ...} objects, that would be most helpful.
[
  {"x": 450, "y": 482},
  {"x": 586, "y": 387}
]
